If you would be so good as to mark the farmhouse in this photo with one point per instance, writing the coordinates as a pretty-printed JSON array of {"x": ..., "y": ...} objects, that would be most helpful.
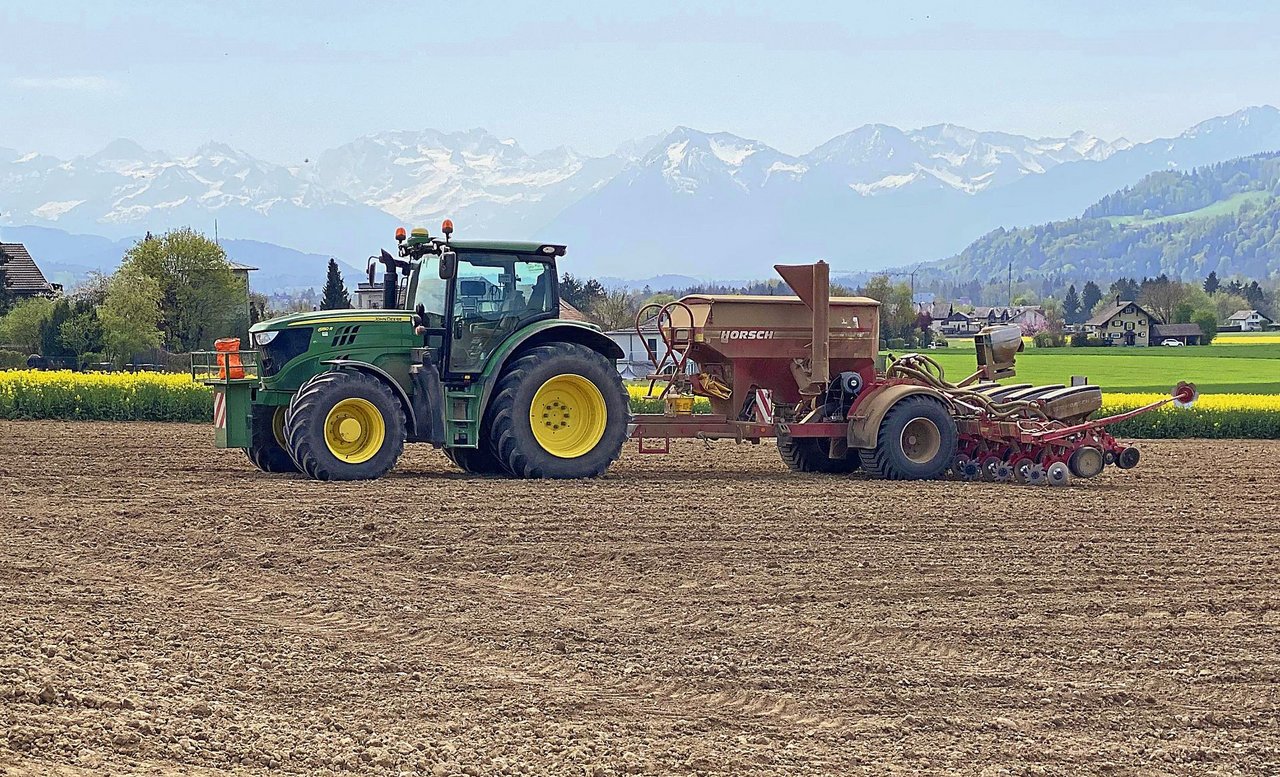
[
  {"x": 22, "y": 277},
  {"x": 1123, "y": 323},
  {"x": 635, "y": 363},
  {"x": 1248, "y": 321}
]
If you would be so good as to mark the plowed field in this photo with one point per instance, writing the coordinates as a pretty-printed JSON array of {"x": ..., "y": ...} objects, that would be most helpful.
[{"x": 166, "y": 608}]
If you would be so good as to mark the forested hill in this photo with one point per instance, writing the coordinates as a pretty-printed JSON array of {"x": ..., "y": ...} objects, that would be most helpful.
[{"x": 1223, "y": 218}]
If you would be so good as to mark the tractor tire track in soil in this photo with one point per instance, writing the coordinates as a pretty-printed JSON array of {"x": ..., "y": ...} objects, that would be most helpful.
[{"x": 168, "y": 609}]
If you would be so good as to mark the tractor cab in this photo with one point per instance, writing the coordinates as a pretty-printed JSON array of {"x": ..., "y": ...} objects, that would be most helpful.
[{"x": 469, "y": 298}]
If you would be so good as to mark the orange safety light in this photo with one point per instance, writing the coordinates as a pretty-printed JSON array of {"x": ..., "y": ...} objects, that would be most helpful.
[
  {"x": 447, "y": 227},
  {"x": 229, "y": 365},
  {"x": 400, "y": 234}
]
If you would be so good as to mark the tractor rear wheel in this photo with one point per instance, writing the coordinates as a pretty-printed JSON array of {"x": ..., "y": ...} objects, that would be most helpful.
[
  {"x": 558, "y": 411},
  {"x": 345, "y": 425},
  {"x": 267, "y": 448},
  {"x": 809, "y": 454},
  {"x": 916, "y": 441}
]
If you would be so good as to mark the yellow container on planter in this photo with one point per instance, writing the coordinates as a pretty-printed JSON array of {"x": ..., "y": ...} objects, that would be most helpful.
[{"x": 679, "y": 404}]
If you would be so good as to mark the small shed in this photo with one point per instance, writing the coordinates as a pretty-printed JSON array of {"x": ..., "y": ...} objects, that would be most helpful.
[{"x": 1187, "y": 334}]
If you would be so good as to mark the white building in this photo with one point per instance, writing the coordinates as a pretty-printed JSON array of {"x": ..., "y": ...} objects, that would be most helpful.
[
  {"x": 1248, "y": 321},
  {"x": 635, "y": 363}
]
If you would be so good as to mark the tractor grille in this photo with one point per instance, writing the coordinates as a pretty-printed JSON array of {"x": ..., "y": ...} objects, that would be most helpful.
[
  {"x": 287, "y": 345},
  {"x": 346, "y": 335}
]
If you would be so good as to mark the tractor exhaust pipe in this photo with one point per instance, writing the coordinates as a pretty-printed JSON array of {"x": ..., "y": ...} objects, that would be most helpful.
[{"x": 390, "y": 283}]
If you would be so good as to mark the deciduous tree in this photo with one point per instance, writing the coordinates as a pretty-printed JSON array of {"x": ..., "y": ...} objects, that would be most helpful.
[
  {"x": 23, "y": 324},
  {"x": 131, "y": 314},
  {"x": 616, "y": 309},
  {"x": 200, "y": 297},
  {"x": 1207, "y": 320}
]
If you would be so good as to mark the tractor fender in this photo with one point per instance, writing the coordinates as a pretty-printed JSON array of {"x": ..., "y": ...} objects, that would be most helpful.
[
  {"x": 559, "y": 331},
  {"x": 385, "y": 377},
  {"x": 549, "y": 331},
  {"x": 864, "y": 424}
]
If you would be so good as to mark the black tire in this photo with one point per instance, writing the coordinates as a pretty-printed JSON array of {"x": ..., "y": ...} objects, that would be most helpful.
[
  {"x": 891, "y": 460},
  {"x": 476, "y": 461},
  {"x": 304, "y": 425},
  {"x": 266, "y": 444},
  {"x": 511, "y": 430},
  {"x": 809, "y": 454}
]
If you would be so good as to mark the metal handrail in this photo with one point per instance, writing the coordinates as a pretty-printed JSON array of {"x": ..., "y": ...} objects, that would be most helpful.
[{"x": 224, "y": 366}]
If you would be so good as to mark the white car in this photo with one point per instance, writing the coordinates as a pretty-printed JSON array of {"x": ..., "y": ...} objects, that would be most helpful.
[{"x": 1172, "y": 343}]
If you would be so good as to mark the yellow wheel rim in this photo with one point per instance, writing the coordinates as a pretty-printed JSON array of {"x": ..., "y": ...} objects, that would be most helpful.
[
  {"x": 354, "y": 430},
  {"x": 277, "y": 427},
  {"x": 568, "y": 416}
]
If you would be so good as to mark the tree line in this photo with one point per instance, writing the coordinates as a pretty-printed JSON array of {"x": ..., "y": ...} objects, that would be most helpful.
[
  {"x": 172, "y": 293},
  {"x": 1148, "y": 229}
]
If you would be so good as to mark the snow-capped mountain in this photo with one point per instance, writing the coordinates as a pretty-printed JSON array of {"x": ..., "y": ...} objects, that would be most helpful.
[
  {"x": 693, "y": 162},
  {"x": 125, "y": 189},
  {"x": 491, "y": 185},
  {"x": 873, "y": 197},
  {"x": 698, "y": 203}
]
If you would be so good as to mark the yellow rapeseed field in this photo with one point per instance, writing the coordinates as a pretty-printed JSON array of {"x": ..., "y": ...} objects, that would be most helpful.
[
  {"x": 1240, "y": 338},
  {"x": 113, "y": 396},
  {"x": 150, "y": 396}
]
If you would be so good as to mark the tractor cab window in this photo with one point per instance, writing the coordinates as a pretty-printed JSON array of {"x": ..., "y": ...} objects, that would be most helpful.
[
  {"x": 495, "y": 295},
  {"x": 429, "y": 292}
]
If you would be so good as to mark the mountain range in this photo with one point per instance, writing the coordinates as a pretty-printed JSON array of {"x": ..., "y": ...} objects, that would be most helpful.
[
  {"x": 705, "y": 204},
  {"x": 1223, "y": 218}
]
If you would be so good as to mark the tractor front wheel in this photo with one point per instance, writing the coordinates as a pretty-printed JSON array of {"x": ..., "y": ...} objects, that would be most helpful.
[
  {"x": 345, "y": 425},
  {"x": 916, "y": 441},
  {"x": 267, "y": 445},
  {"x": 558, "y": 411}
]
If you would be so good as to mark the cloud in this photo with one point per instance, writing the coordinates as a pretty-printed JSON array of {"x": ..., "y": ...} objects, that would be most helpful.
[{"x": 66, "y": 83}]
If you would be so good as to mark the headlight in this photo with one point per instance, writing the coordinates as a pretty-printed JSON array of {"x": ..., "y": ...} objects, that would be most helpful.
[{"x": 262, "y": 338}]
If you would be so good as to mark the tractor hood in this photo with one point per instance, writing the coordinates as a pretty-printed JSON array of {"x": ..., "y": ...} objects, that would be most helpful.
[{"x": 335, "y": 317}]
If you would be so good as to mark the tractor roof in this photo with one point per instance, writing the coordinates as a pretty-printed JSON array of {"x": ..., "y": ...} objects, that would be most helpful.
[{"x": 520, "y": 246}]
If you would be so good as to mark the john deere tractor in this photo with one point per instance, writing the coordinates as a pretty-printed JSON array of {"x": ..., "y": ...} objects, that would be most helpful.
[{"x": 468, "y": 353}]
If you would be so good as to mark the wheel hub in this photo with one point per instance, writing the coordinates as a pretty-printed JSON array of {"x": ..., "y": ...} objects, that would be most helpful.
[
  {"x": 921, "y": 440},
  {"x": 568, "y": 416},
  {"x": 354, "y": 430},
  {"x": 349, "y": 429}
]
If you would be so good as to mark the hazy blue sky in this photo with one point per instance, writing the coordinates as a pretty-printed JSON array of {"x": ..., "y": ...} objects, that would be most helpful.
[{"x": 286, "y": 79}]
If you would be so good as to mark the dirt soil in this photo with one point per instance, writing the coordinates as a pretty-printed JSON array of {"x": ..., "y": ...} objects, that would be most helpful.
[{"x": 166, "y": 608}]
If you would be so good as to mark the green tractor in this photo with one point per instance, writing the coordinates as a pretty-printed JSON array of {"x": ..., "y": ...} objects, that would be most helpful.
[{"x": 468, "y": 353}]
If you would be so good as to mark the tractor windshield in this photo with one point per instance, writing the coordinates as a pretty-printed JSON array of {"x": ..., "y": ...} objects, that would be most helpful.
[
  {"x": 497, "y": 293},
  {"x": 429, "y": 290}
]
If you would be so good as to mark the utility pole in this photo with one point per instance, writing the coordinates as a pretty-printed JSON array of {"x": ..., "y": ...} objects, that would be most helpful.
[
  {"x": 1010, "y": 284},
  {"x": 912, "y": 275}
]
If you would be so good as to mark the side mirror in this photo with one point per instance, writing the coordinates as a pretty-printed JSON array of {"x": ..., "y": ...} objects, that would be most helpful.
[
  {"x": 371, "y": 269},
  {"x": 448, "y": 264}
]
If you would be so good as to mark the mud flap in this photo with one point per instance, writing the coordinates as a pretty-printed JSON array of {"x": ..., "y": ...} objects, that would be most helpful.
[{"x": 232, "y": 405}]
